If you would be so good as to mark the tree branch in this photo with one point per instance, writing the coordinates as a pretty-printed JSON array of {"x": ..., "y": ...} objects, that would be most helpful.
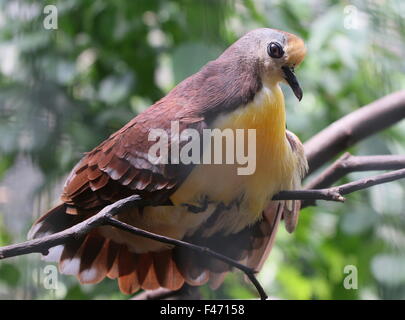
[
  {"x": 42, "y": 245},
  {"x": 337, "y": 193},
  {"x": 369, "y": 182},
  {"x": 354, "y": 127},
  {"x": 348, "y": 163}
]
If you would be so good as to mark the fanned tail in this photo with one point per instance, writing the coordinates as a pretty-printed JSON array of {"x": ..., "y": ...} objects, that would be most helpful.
[{"x": 94, "y": 257}]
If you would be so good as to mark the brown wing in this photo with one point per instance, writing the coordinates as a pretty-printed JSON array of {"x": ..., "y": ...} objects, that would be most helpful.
[{"x": 119, "y": 167}]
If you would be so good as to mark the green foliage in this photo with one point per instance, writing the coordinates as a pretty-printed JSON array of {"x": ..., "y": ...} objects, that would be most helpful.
[
  {"x": 9, "y": 274},
  {"x": 63, "y": 91}
]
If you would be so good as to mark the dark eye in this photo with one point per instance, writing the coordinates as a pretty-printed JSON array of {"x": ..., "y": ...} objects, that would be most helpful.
[{"x": 275, "y": 50}]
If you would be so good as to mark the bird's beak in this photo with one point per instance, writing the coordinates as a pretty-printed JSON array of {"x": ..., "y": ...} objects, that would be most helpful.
[{"x": 291, "y": 79}]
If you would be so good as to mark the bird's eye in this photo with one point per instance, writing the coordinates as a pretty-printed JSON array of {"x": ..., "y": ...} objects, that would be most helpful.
[{"x": 275, "y": 50}]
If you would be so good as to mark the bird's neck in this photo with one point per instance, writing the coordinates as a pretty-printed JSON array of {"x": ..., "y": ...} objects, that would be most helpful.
[{"x": 265, "y": 113}]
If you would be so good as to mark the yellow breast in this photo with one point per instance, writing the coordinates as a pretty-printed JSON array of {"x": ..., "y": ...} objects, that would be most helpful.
[{"x": 274, "y": 160}]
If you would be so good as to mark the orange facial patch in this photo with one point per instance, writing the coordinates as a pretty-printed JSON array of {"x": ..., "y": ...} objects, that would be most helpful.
[{"x": 295, "y": 49}]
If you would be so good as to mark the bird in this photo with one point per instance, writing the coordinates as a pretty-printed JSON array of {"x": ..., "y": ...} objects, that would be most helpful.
[{"x": 207, "y": 204}]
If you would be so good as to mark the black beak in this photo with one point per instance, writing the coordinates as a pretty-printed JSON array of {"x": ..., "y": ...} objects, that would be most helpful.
[{"x": 291, "y": 79}]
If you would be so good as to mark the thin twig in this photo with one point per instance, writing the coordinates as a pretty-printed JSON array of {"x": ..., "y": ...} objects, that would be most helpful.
[
  {"x": 337, "y": 193},
  {"x": 348, "y": 163},
  {"x": 369, "y": 182},
  {"x": 312, "y": 194}
]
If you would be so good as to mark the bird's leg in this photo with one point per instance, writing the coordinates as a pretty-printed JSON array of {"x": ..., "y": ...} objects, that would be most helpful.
[{"x": 203, "y": 206}]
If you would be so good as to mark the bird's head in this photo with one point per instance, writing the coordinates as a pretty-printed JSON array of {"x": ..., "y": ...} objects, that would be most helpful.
[{"x": 275, "y": 54}]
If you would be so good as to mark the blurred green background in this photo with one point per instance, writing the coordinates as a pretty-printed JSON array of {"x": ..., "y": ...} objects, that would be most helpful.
[{"x": 63, "y": 91}]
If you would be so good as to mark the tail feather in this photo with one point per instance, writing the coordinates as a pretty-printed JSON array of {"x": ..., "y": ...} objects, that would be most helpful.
[
  {"x": 216, "y": 279},
  {"x": 112, "y": 259},
  {"x": 69, "y": 262},
  {"x": 53, "y": 221},
  {"x": 193, "y": 273},
  {"x": 92, "y": 247},
  {"x": 127, "y": 271},
  {"x": 268, "y": 228},
  {"x": 93, "y": 261},
  {"x": 146, "y": 272},
  {"x": 167, "y": 271},
  {"x": 94, "y": 257}
]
